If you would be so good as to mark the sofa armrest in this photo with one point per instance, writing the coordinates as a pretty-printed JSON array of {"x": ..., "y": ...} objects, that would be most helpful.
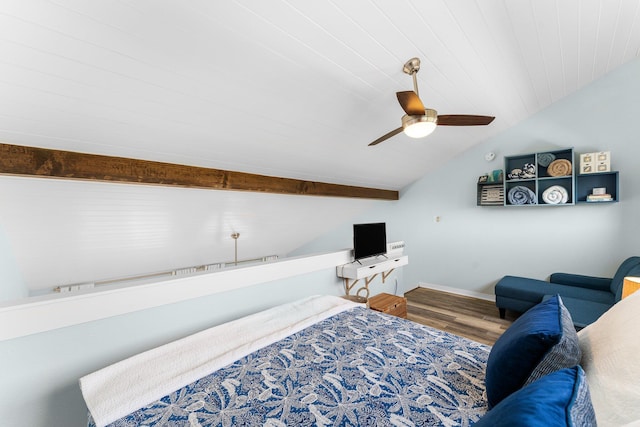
[{"x": 588, "y": 282}]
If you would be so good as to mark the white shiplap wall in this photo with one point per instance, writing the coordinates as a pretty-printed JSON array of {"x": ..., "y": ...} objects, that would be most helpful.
[{"x": 64, "y": 232}]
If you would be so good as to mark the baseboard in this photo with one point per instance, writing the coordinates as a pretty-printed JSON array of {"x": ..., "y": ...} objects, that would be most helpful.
[{"x": 457, "y": 291}]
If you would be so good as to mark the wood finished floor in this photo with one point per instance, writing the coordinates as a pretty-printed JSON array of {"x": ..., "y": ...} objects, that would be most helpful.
[{"x": 469, "y": 317}]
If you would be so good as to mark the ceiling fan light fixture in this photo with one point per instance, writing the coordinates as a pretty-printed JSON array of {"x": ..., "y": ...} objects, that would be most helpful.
[{"x": 420, "y": 126}]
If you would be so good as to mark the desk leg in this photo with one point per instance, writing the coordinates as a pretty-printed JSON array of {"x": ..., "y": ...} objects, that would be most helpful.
[{"x": 364, "y": 288}]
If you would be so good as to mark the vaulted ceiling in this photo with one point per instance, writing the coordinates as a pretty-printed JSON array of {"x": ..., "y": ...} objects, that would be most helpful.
[{"x": 294, "y": 89}]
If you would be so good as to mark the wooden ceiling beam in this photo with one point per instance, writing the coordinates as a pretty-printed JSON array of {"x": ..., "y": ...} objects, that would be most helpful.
[{"x": 47, "y": 163}]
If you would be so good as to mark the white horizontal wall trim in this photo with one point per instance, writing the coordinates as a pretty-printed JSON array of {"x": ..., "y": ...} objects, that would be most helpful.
[
  {"x": 40, "y": 314},
  {"x": 458, "y": 291}
]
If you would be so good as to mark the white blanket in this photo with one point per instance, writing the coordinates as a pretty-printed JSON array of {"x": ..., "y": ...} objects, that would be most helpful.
[{"x": 119, "y": 389}]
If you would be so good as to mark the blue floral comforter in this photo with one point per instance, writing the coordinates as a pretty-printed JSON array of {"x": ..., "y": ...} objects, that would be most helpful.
[{"x": 359, "y": 367}]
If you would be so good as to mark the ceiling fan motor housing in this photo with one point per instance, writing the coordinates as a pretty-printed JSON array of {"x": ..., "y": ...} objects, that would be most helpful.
[{"x": 420, "y": 125}]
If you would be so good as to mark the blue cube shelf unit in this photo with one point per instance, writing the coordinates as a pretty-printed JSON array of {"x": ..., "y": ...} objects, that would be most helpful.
[
  {"x": 585, "y": 183},
  {"x": 542, "y": 176}
]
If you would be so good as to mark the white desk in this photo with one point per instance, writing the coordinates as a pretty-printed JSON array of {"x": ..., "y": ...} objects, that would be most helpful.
[{"x": 368, "y": 269}]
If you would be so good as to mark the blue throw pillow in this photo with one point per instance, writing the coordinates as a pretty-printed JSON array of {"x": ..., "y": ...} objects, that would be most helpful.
[
  {"x": 541, "y": 341},
  {"x": 558, "y": 399}
]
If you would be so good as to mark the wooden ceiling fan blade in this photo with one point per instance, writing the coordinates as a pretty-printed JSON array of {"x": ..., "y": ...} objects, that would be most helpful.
[
  {"x": 464, "y": 120},
  {"x": 410, "y": 103},
  {"x": 386, "y": 136}
]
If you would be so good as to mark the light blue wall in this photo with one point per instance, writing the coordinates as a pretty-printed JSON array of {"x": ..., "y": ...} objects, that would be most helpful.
[
  {"x": 39, "y": 373},
  {"x": 472, "y": 247}
]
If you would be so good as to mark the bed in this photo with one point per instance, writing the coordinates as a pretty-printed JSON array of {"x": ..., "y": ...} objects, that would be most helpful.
[
  {"x": 327, "y": 361},
  {"x": 320, "y": 361}
]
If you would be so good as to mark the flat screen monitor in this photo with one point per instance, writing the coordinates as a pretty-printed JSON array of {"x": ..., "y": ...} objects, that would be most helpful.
[{"x": 369, "y": 240}]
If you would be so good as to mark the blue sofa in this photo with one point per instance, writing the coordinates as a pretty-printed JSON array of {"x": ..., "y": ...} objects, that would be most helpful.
[{"x": 586, "y": 297}]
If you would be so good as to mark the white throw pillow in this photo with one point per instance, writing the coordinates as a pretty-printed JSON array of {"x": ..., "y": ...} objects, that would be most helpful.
[{"x": 610, "y": 350}]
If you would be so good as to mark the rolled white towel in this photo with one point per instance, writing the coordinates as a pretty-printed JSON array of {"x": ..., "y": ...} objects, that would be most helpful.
[{"x": 555, "y": 195}]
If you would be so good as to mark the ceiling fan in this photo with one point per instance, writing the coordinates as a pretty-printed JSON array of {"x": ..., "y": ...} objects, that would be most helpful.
[{"x": 420, "y": 121}]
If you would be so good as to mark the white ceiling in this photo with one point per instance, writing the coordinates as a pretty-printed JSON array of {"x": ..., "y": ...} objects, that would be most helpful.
[{"x": 293, "y": 88}]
